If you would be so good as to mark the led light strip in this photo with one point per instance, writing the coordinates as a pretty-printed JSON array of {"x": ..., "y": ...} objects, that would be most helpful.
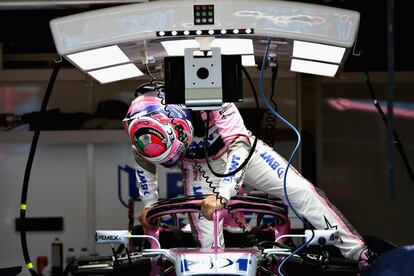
[{"x": 204, "y": 32}]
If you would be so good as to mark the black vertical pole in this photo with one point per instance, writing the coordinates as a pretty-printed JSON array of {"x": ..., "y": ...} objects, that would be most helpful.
[
  {"x": 29, "y": 164},
  {"x": 390, "y": 98}
]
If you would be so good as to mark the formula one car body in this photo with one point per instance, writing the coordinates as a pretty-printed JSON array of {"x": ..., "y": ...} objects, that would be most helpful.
[{"x": 260, "y": 249}]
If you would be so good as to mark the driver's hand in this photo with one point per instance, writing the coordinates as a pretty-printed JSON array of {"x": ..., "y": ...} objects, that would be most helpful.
[
  {"x": 142, "y": 217},
  {"x": 210, "y": 204}
]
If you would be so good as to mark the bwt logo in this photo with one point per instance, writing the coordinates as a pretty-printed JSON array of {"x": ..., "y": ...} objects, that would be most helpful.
[
  {"x": 233, "y": 166},
  {"x": 143, "y": 182},
  {"x": 130, "y": 179},
  {"x": 273, "y": 164}
]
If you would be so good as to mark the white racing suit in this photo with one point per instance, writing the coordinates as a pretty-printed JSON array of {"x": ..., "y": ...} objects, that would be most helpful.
[{"x": 265, "y": 172}]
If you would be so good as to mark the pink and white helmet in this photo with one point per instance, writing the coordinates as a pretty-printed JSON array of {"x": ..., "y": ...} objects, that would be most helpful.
[{"x": 160, "y": 135}]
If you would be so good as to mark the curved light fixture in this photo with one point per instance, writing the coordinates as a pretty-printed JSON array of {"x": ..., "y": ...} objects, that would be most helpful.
[{"x": 139, "y": 28}]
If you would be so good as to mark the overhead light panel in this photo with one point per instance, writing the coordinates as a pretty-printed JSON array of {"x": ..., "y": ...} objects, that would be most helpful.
[
  {"x": 98, "y": 58},
  {"x": 229, "y": 46},
  {"x": 116, "y": 73},
  {"x": 248, "y": 60},
  {"x": 316, "y": 51},
  {"x": 313, "y": 67},
  {"x": 176, "y": 47},
  {"x": 134, "y": 29},
  {"x": 234, "y": 46}
]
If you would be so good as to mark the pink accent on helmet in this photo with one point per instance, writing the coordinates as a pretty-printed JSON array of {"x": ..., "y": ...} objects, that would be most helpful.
[{"x": 153, "y": 149}]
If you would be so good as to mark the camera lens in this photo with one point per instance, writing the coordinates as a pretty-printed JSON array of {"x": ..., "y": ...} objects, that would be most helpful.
[{"x": 202, "y": 73}]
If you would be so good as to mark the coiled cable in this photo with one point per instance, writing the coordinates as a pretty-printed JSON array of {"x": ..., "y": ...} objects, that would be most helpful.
[
  {"x": 210, "y": 183},
  {"x": 253, "y": 148},
  {"x": 213, "y": 188}
]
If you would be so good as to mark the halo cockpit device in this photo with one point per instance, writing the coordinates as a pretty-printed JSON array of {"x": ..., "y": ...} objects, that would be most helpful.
[{"x": 201, "y": 45}]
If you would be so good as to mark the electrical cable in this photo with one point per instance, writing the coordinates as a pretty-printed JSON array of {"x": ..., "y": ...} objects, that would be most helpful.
[
  {"x": 275, "y": 70},
  {"x": 254, "y": 143},
  {"x": 182, "y": 135},
  {"x": 397, "y": 142},
  {"x": 198, "y": 166},
  {"x": 153, "y": 84},
  {"x": 159, "y": 85},
  {"x": 203, "y": 173},
  {"x": 148, "y": 86},
  {"x": 214, "y": 188},
  {"x": 23, "y": 202},
  {"x": 263, "y": 244},
  {"x": 290, "y": 159},
  {"x": 149, "y": 73}
]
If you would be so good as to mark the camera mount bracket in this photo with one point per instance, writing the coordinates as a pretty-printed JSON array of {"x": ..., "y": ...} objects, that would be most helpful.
[{"x": 203, "y": 79}]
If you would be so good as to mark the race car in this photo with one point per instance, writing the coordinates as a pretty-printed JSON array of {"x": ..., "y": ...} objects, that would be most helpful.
[{"x": 265, "y": 248}]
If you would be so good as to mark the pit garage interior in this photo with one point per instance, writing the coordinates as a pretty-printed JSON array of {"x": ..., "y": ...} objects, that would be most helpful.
[{"x": 83, "y": 169}]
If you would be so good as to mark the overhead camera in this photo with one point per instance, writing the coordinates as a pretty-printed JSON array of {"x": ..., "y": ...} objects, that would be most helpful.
[
  {"x": 203, "y": 81},
  {"x": 202, "y": 73},
  {"x": 203, "y": 87}
]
